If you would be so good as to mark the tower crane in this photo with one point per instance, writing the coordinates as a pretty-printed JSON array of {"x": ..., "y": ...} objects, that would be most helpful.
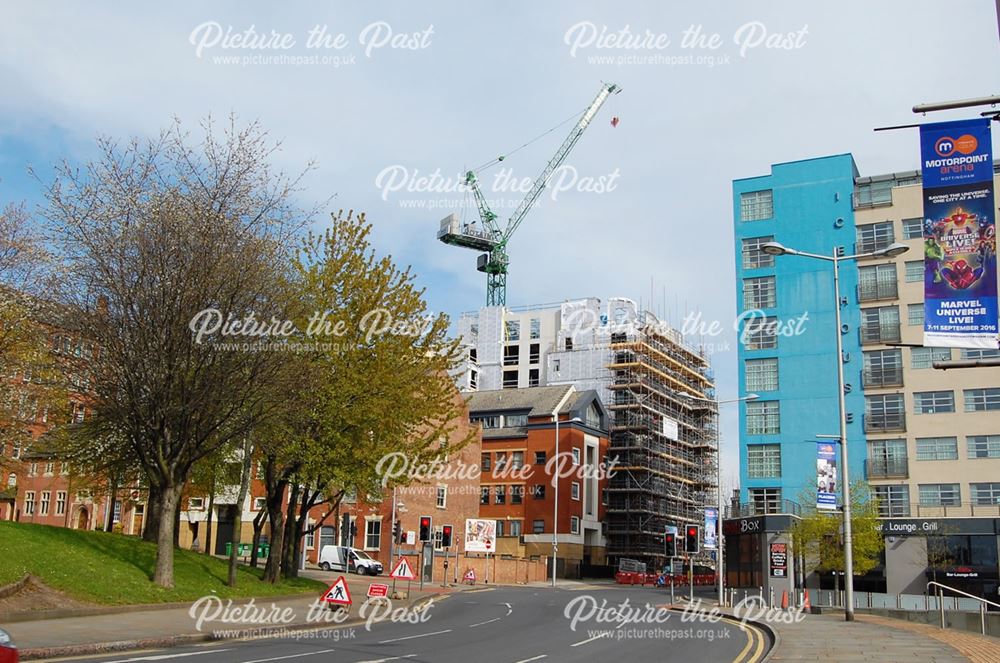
[{"x": 491, "y": 238}]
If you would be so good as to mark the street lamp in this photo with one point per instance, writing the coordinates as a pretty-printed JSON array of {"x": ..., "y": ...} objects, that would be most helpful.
[
  {"x": 555, "y": 501},
  {"x": 891, "y": 251},
  {"x": 720, "y": 566}
]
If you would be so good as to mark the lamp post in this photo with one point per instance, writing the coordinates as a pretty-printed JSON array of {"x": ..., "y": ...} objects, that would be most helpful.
[
  {"x": 891, "y": 251},
  {"x": 555, "y": 500},
  {"x": 720, "y": 566}
]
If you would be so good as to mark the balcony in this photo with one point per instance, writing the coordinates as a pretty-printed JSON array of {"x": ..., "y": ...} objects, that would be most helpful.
[
  {"x": 887, "y": 468},
  {"x": 885, "y": 376},
  {"x": 888, "y": 422},
  {"x": 881, "y": 333},
  {"x": 874, "y": 292}
]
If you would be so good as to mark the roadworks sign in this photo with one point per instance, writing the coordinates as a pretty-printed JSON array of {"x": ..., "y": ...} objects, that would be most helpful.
[
  {"x": 337, "y": 593},
  {"x": 403, "y": 570}
]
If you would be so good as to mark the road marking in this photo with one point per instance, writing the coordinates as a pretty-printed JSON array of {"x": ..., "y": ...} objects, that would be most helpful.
[
  {"x": 488, "y": 621},
  {"x": 759, "y": 649},
  {"x": 509, "y": 609},
  {"x": 409, "y": 637},
  {"x": 160, "y": 657},
  {"x": 528, "y": 660},
  {"x": 281, "y": 658},
  {"x": 596, "y": 637},
  {"x": 383, "y": 660}
]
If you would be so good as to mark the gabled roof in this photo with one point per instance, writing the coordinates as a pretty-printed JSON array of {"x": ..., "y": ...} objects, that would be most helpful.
[{"x": 536, "y": 401}]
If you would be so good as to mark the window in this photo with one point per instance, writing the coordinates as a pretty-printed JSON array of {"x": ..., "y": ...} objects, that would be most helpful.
[
  {"x": 761, "y": 374},
  {"x": 60, "y": 502},
  {"x": 576, "y": 455},
  {"x": 940, "y": 494},
  {"x": 985, "y": 493},
  {"x": 568, "y": 344},
  {"x": 116, "y": 515},
  {"x": 484, "y": 462},
  {"x": 499, "y": 526},
  {"x": 983, "y": 446},
  {"x": 539, "y": 458},
  {"x": 913, "y": 228},
  {"x": 933, "y": 402},
  {"x": 574, "y": 491},
  {"x": 538, "y": 491},
  {"x": 883, "y": 368},
  {"x": 510, "y": 379},
  {"x": 488, "y": 421},
  {"x": 760, "y": 333},
  {"x": 937, "y": 448},
  {"x": 501, "y": 461},
  {"x": 442, "y": 496},
  {"x": 982, "y": 400},
  {"x": 259, "y": 503},
  {"x": 43, "y": 505},
  {"x": 78, "y": 413},
  {"x": 884, "y": 412},
  {"x": 500, "y": 494},
  {"x": 50, "y": 468},
  {"x": 196, "y": 503},
  {"x": 326, "y": 536},
  {"x": 373, "y": 534},
  {"x": 29, "y": 503},
  {"x": 538, "y": 526},
  {"x": 880, "y": 325},
  {"x": 877, "y": 282},
  {"x": 925, "y": 357},
  {"x": 872, "y": 194},
  {"x": 759, "y": 292},
  {"x": 484, "y": 495},
  {"x": 753, "y": 257},
  {"x": 765, "y": 500},
  {"x": 473, "y": 380},
  {"x": 914, "y": 271},
  {"x": 915, "y": 315},
  {"x": 875, "y": 236},
  {"x": 887, "y": 458},
  {"x": 438, "y": 537},
  {"x": 511, "y": 355},
  {"x": 970, "y": 353},
  {"x": 515, "y": 420},
  {"x": 15, "y": 451},
  {"x": 763, "y": 418},
  {"x": 535, "y": 326},
  {"x": 33, "y": 470},
  {"x": 763, "y": 460},
  {"x": 756, "y": 205},
  {"x": 516, "y": 494},
  {"x": 516, "y": 459},
  {"x": 574, "y": 525},
  {"x": 534, "y": 353},
  {"x": 533, "y": 378},
  {"x": 515, "y": 528},
  {"x": 893, "y": 501},
  {"x": 513, "y": 328}
]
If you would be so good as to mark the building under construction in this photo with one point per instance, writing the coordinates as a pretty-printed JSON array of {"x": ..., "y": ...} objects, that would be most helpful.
[{"x": 658, "y": 389}]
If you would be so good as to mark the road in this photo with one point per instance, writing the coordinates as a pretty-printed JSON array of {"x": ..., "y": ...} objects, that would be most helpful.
[{"x": 502, "y": 624}]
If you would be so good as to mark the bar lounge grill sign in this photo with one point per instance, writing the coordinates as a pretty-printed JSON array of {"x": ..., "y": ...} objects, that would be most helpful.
[
  {"x": 779, "y": 560},
  {"x": 960, "y": 264}
]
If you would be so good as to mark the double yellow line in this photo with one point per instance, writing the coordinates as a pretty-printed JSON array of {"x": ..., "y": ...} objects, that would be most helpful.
[{"x": 756, "y": 646}]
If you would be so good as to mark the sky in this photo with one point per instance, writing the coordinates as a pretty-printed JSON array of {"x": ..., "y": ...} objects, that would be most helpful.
[{"x": 394, "y": 101}]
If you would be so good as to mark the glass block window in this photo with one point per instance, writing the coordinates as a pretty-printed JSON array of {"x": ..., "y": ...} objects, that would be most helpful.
[
  {"x": 937, "y": 448},
  {"x": 925, "y": 357},
  {"x": 913, "y": 228},
  {"x": 753, "y": 257},
  {"x": 875, "y": 236},
  {"x": 985, "y": 493},
  {"x": 763, "y": 460},
  {"x": 914, "y": 271},
  {"x": 940, "y": 494},
  {"x": 761, "y": 374},
  {"x": 982, "y": 400},
  {"x": 760, "y": 334},
  {"x": 877, "y": 282},
  {"x": 893, "y": 501},
  {"x": 983, "y": 446},
  {"x": 933, "y": 402},
  {"x": 915, "y": 315},
  {"x": 756, "y": 205},
  {"x": 759, "y": 293},
  {"x": 763, "y": 418}
]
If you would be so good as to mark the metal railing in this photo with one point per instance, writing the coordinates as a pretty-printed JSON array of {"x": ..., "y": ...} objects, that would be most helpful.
[
  {"x": 982, "y": 603},
  {"x": 884, "y": 468},
  {"x": 879, "y": 333},
  {"x": 877, "y": 291},
  {"x": 957, "y": 509},
  {"x": 885, "y": 422},
  {"x": 883, "y": 377}
]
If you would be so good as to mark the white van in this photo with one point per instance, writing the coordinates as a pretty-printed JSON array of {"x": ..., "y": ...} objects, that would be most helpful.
[{"x": 345, "y": 560}]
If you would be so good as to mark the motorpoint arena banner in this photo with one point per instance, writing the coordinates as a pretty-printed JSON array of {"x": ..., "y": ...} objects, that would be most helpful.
[
  {"x": 826, "y": 476},
  {"x": 960, "y": 265}
]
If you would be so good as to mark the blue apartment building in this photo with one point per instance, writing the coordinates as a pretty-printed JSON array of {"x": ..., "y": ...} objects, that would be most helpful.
[{"x": 787, "y": 349}]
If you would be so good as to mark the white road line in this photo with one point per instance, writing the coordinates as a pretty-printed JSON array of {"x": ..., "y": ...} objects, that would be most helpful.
[
  {"x": 488, "y": 621},
  {"x": 160, "y": 657},
  {"x": 409, "y": 637},
  {"x": 383, "y": 660},
  {"x": 281, "y": 658},
  {"x": 596, "y": 637},
  {"x": 509, "y": 609},
  {"x": 528, "y": 660}
]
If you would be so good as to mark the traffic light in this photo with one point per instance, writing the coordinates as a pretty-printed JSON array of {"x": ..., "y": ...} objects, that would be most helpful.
[
  {"x": 692, "y": 539},
  {"x": 397, "y": 531},
  {"x": 354, "y": 531},
  {"x": 446, "y": 536},
  {"x": 425, "y": 528},
  {"x": 670, "y": 544}
]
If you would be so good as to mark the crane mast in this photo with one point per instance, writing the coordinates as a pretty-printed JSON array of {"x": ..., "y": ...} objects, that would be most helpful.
[{"x": 492, "y": 239}]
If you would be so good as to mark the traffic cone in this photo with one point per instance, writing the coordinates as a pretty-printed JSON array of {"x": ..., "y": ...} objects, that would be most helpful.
[
  {"x": 784, "y": 600},
  {"x": 806, "y": 605}
]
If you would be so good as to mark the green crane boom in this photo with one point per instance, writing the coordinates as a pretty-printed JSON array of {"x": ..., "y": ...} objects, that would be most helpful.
[{"x": 492, "y": 239}]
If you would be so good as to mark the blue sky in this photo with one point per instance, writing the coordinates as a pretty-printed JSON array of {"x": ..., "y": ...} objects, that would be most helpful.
[{"x": 482, "y": 79}]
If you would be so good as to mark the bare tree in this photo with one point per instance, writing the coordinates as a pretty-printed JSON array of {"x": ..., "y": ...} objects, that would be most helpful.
[{"x": 152, "y": 234}]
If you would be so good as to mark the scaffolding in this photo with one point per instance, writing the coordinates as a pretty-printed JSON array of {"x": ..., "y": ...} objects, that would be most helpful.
[{"x": 659, "y": 481}]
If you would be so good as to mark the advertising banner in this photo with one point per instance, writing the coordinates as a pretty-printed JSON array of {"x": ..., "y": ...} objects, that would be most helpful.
[
  {"x": 826, "y": 476},
  {"x": 960, "y": 266},
  {"x": 480, "y": 535},
  {"x": 779, "y": 560},
  {"x": 711, "y": 529}
]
